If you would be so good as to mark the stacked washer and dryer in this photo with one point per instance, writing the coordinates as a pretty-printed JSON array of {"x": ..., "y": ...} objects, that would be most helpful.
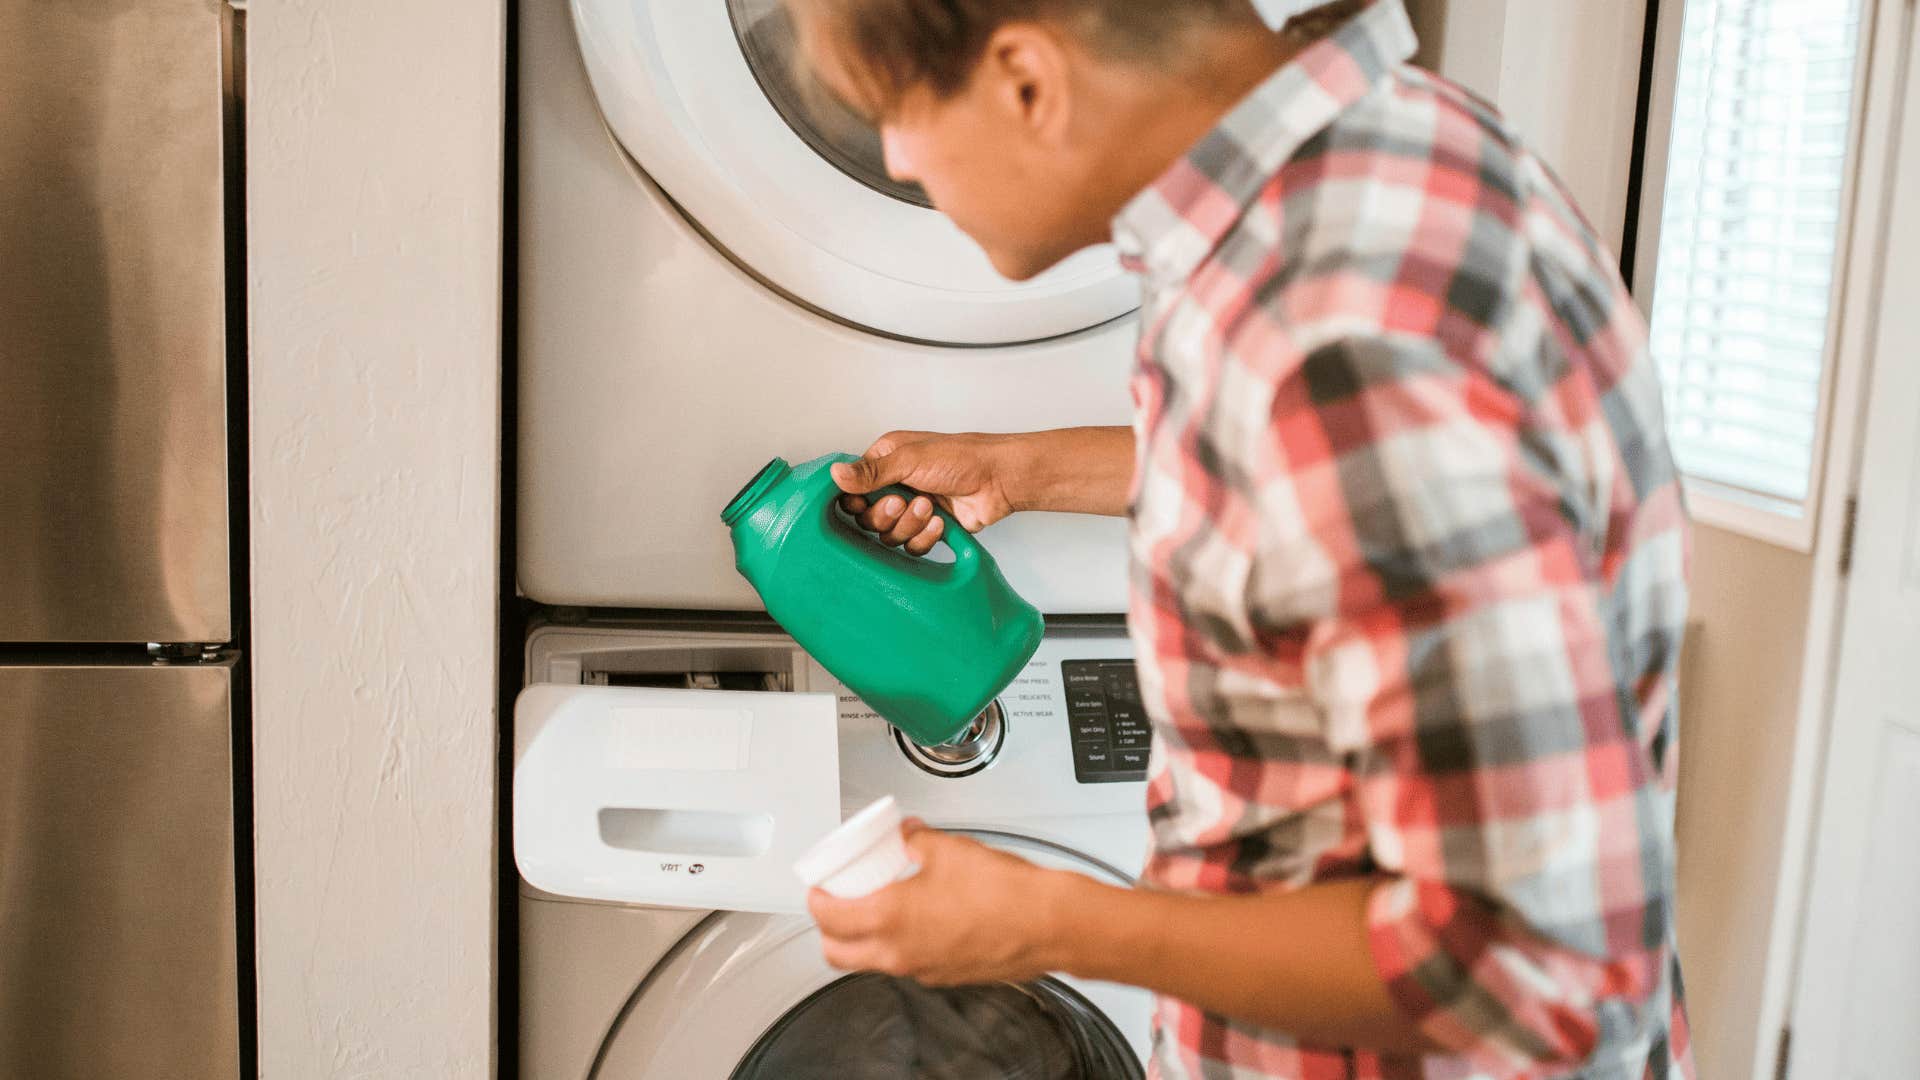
[{"x": 715, "y": 269}]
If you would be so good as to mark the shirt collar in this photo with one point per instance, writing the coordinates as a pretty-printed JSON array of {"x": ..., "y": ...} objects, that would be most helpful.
[{"x": 1167, "y": 229}]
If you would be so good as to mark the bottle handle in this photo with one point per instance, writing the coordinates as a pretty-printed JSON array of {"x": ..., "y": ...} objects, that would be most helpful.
[{"x": 964, "y": 545}]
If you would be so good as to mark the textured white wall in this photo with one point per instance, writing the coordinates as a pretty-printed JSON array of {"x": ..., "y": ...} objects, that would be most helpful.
[{"x": 374, "y": 187}]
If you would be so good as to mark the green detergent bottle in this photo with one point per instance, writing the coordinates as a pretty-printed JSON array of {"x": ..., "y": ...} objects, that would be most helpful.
[{"x": 927, "y": 644}]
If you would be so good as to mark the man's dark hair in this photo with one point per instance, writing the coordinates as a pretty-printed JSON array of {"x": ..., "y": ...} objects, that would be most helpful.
[{"x": 900, "y": 44}]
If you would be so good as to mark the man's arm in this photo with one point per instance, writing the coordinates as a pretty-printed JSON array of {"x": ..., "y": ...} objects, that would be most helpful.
[
  {"x": 1297, "y": 962},
  {"x": 1085, "y": 470},
  {"x": 980, "y": 479}
]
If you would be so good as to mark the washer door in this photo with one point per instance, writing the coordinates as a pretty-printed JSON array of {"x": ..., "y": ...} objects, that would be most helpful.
[
  {"x": 749, "y": 997},
  {"x": 710, "y": 99}
]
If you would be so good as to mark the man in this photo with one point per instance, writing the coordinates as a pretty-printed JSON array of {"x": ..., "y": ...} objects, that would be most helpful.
[{"x": 1408, "y": 547}]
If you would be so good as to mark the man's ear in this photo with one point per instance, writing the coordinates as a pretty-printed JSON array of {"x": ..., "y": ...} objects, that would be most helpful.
[{"x": 1027, "y": 70}]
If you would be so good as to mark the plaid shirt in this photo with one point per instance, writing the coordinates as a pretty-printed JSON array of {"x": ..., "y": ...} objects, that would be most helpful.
[{"x": 1409, "y": 571}]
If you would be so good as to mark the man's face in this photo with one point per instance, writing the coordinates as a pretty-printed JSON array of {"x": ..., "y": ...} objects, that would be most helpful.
[{"x": 994, "y": 156}]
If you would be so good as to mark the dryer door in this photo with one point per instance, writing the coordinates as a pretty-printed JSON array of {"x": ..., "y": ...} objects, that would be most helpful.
[
  {"x": 675, "y": 798},
  {"x": 749, "y": 997},
  {"x": 710, "y": 100}
]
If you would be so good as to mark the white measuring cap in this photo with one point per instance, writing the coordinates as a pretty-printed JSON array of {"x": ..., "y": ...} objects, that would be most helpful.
[{"x": 865, "y": 854}]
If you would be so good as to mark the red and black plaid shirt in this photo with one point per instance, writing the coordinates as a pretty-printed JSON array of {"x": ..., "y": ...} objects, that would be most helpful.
[{"x": 1409, "y": 571}]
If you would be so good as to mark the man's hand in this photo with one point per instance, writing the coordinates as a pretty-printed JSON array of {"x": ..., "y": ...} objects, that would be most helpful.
[
  {"x": 965, "y": 474},
  {"x": 980, "y": 479},
  {"x": 966, "y": 918}
]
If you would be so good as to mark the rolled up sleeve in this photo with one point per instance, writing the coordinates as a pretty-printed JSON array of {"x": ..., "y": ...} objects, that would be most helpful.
[
  {"x": 1523, "y": 921},
  {"x": 1469, "y": 668}
]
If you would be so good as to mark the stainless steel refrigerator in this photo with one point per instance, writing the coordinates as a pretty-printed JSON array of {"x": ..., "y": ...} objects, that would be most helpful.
[{"x": 118, "y": 646}]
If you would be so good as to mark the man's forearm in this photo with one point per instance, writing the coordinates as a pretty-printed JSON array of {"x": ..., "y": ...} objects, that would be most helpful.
[
  {"x": 1296, "y": 962},
  {"x": 1074, "y": 470}
]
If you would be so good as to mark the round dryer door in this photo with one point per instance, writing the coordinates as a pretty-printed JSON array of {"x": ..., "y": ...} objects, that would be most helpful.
[
  {"x": 711, "y": 101},
  {"x": 749, "y": 997}
]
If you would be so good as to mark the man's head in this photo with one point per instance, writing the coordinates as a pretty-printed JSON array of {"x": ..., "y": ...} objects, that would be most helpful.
[{"x": 1031, "y": 122}]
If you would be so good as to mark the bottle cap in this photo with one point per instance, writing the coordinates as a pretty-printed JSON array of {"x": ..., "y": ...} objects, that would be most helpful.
[{"x": 865, "y": 854}]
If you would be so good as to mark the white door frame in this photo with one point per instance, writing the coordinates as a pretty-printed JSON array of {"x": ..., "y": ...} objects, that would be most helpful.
[
  {"x": 1886, "y": 35},
  {"x": 1883, "y": 40},
  {"x": 1895, "y": 56}
]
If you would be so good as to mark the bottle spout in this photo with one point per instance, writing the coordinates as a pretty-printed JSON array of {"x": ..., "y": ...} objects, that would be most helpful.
[
  {"x": 969, "y": 750},
  {"x": 755, "y": 490}
]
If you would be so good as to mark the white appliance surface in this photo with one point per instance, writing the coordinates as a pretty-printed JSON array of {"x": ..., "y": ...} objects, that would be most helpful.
[
  {"x": 653, "y": 992},
  {"x": 657, "y": 376},
  {"x": 705, "y": 1007}
]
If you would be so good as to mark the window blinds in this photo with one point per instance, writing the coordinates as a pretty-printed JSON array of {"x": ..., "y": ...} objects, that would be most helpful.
[{"x": 1763, "y": 112}]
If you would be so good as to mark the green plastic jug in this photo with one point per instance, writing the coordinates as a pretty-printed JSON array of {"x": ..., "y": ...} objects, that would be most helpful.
[{"x": 926, "y": 644}]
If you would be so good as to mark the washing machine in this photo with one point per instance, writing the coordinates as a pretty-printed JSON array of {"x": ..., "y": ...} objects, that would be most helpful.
[{"x": 668, "y": 773}]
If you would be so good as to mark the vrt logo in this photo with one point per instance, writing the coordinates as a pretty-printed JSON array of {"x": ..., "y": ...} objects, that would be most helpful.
[{"x": 697, "y": 868}]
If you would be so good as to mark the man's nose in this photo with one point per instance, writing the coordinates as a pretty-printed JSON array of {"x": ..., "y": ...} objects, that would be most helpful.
[{"x": 899, "y": 164}]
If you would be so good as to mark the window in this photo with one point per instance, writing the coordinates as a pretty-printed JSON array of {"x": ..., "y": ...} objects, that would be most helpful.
[{"x": 1750, "y": 235}]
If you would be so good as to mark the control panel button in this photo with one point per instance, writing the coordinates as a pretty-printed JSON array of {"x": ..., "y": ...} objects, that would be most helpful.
[{"x": 1108, "y": 724}]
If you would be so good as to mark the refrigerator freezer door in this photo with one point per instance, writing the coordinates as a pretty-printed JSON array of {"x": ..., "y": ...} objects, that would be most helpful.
[
  {"x": 113, "y": 460},
  {"x": 117, "y": 927}
]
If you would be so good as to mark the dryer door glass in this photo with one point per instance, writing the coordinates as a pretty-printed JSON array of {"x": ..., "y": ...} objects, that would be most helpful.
[
  {"x": 876, "y": 1026},
  {"x": 835, "y": 132}
]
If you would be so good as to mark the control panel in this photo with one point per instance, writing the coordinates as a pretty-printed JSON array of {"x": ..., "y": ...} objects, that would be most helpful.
[
  {"x": 1065, "y": 738},
  {"x": 1111, "y": 735}
]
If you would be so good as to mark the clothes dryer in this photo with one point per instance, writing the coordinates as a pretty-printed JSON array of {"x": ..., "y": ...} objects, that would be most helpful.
[{"x": 714, "y": 269}]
